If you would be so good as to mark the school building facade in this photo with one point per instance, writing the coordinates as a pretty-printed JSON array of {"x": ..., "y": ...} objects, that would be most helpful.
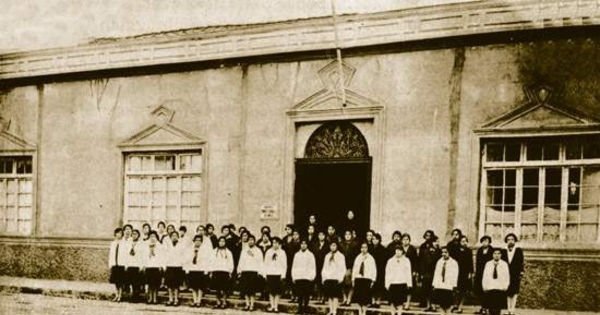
[{"x": 479, "y": 115}]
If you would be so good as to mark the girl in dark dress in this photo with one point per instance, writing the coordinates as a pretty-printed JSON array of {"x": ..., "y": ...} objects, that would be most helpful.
[
  {"x": 350, "y": 250},
  {"x": 464, "y": 258},
  {"x": 320, "y": 248},
  {"x": 380, "y": 255},
  {"x": 513, "y": 255},
  {"x": 454, "y": 244},
  {"x": 429, "y": 254},
  {"x": 484, "y": 254},
  {"x": 411, "y": 253}
]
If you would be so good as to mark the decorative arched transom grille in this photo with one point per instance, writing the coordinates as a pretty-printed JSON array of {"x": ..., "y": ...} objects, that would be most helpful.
[{"x": 336, "y": 139}]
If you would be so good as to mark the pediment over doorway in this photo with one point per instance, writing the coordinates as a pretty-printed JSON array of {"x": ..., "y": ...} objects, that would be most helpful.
[
  {"x": 539, "y": 114},
  {"x": 335, "y": 90}
]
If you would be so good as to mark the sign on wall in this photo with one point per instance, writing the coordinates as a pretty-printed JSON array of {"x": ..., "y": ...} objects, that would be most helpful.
[{"x": 268, "y": 211}]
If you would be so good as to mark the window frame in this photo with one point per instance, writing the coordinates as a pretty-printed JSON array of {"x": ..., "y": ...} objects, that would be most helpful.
[
  {"x": 520, "y": 166},
  {"x": 177, "y": 151},
  {"x": 34, "y": 193}
]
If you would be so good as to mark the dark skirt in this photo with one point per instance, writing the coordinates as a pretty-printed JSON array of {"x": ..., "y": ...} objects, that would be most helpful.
[
  {"x": 134, "y": 276},
  {"x": 464, "y": 283},
  {"x": 117, "y": 275},
  {"x": 397, "y": 294},
  {"x": 220, "y": 281},
  {"x": 514, "y": 286},
  {"x": 443, "y": 298},
  {"x": 153, "y": 277},
  {"x": 248, "y": 283},
  {"x": 303, "y": 288},
  {"x": 332, "y": 289},
  {"x": 174, "y": 277},
  {"x": 495, "y": 300},
  {"x": 362, "y": 291},
  {"x": 197, "y": 280},
  {"x": 274, "y": 285}
]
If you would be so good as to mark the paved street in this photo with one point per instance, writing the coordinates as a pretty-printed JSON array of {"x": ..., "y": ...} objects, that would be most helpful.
[{"x": 30, "y": 304}]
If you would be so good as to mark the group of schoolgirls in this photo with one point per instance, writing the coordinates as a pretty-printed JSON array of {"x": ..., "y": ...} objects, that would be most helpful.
[
  {"x": 356, "y": 271},
  {"x": 496, "y": 278}
]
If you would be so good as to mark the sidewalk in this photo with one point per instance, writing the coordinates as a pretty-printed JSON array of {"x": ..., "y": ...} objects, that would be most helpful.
[{"x": 105, "y": 291}]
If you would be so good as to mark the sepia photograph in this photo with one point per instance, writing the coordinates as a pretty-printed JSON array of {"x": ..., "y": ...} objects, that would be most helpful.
[{"x": 310, "y": 157}]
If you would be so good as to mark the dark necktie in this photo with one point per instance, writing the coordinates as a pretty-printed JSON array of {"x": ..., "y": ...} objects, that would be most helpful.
[
  {"x": 151, "y": 251},
  {"x": 331, "y": 258},
  {"x": 361, "y": 270},
  {"x": 444, "y": 272},
  {"x": 117, "y": 255},
  {"x": 132, "y": 251},
  {"x": 495, "y": 275},
  {"x": 195, "y": 257},
  {"x": 274, "y": 256}
]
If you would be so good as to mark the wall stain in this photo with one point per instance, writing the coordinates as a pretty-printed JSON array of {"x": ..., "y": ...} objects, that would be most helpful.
[
  {"x": 570, "y": 67},
  {"x": 455, "y": 84}
]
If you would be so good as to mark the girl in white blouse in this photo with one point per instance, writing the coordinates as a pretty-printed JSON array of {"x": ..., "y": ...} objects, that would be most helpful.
[
  {"x": 275, "y": 268},
  {"x": 304, "y": 270},
  {"x": 495, "y": 282},
  {"x": 445, "y": 280},
  {"x": 116, "y": 263},
  {"x": 174, "y": 275},
  {"x": 197, "y": 266},
  {"x": 332, "y": 274},
  {"x": 134, "y": 264},
  {"x": 153, "y": 266},
  {"x": 221, "y": 268},
  {"x": 364, "y": 272},
  {"x": 398, "y": 279},
  {"x": 249, "y": 268}
]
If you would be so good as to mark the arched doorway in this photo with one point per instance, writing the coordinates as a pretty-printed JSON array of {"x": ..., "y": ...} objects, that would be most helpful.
[{"x": 333, "y": 177}]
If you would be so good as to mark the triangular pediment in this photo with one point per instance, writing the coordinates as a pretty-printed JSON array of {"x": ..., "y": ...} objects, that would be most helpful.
[
  {"x": 335, "y": 94},
  {"x": 163, "y": 134},
  {"x": 540, "y": 117},
  {"x": 327, "y": 99},
  {"x": 10, "y": 142}
]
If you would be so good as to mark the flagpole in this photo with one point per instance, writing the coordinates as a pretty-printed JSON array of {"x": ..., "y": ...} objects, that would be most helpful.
[{"x": 338, "y": 52}]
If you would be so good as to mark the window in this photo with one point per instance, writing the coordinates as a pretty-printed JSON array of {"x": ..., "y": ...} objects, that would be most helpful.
[
  {"x": 545, "y": 189},
  {"x": 163, "y": 187},
  {"x": 16, "y": 195}
]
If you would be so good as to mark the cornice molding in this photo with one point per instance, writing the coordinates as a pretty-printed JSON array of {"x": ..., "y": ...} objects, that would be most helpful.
[{"x": 358, "y": 30}]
